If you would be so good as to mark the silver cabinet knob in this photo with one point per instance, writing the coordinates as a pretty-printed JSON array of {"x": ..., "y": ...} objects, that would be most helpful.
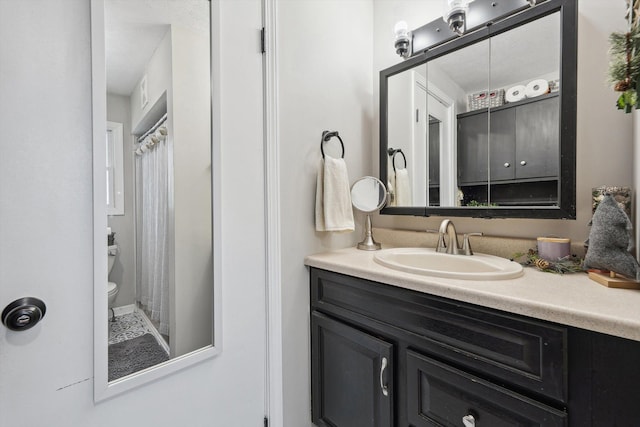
[
  {"x": 469, "y": 421},
  {"x": 507, "y": 164},
  {"x": 523, "y": 162}
]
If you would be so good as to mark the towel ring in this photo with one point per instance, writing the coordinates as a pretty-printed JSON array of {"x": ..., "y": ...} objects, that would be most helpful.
[
  {"x": 392, "y": 152},
  {"x": 326, "y": 136}
]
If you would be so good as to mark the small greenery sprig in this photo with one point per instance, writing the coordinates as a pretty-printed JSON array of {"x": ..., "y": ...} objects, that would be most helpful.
[
  {"x": 568, "y": 264},
  {"x": 476, "y": 203},
  {"x": 624, "y": 68}
]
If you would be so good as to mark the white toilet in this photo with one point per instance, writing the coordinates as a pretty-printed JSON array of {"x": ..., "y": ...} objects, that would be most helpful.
[{"x": 112, "y": 289}]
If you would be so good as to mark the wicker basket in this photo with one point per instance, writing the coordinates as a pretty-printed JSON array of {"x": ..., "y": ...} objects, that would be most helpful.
[{"x": 486, "y": 99}]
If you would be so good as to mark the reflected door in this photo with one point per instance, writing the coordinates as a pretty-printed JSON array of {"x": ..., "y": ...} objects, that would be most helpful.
[
  {"x": 433, "y": 145},
  {"x": 421, "y": 174}
]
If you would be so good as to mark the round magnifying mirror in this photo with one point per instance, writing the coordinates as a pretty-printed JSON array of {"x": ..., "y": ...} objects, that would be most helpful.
[{"x": 368, "y": 194}]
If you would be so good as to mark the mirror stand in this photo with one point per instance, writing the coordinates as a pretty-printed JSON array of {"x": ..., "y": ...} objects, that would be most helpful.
[
  {"x": 368, "y": 194},
  {"x": 368, "y": 244}
]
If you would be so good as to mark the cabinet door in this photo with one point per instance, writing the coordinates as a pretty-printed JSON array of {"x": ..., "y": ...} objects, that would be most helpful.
[
  {"x": 473, "y": 149},
  {"x": 538, "y": 139},
  {"x": 503, "y": 145},
  {"x": 351, "y": 376},
  {"x": 440, "y": 395}
]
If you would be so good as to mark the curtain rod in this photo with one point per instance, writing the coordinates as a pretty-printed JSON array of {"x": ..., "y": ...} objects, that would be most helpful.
[{"x": 153, "y": 128}]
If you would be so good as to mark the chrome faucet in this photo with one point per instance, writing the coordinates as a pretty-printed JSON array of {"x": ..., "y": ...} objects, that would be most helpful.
[{"x": 450, "y": 245}]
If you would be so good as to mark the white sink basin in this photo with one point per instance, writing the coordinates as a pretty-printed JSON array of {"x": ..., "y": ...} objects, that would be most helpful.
[{"x": 428, "y": 262}]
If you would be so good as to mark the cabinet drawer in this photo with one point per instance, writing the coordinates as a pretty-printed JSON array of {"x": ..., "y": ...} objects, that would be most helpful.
[
  {"x": 506, "y": 348},
  {"x": 439, "y": 395}
]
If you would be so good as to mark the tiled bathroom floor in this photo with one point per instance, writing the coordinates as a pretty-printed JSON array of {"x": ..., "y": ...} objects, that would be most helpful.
[{"x": 127, "y": 326}]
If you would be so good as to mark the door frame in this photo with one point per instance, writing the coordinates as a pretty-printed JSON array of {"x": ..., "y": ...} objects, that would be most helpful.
[{"x": 274, "y": 393}]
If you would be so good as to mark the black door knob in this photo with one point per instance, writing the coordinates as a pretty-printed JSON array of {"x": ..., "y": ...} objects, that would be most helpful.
[{"x": 23, "y": 313}]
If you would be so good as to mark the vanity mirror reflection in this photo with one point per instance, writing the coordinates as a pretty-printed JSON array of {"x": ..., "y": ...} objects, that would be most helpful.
[
  {"x": 485, "y": 121},
  {"x": 157, "y": 87}
]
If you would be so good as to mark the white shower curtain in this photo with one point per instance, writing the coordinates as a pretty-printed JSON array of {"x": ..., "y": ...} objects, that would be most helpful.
[{"x": 152, "y": 290}]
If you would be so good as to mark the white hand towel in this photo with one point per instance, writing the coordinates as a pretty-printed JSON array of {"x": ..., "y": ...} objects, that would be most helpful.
[
  {"x": 320, "y": 198},
  {"x": 333, "y": 197},
  {"x": 391, "y": 185},
  {"x": 403, "y": 188}
]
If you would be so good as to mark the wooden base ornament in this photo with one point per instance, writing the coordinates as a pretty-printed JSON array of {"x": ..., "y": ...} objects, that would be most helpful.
[{"x": 613, "y": 280}]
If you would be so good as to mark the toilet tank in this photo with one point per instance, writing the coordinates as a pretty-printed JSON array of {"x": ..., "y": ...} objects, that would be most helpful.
[{"x": 111, "y": 256}]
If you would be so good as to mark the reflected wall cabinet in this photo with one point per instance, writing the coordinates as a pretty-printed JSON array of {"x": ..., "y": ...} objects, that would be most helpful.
[
  {"x": 521, "y": 150},
  {"x": 386, "y": 356}
]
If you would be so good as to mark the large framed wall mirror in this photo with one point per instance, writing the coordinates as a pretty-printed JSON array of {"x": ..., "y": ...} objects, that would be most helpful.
[
  {"x": 484, "y": 125},
  {"x": 154, "y": 304}
]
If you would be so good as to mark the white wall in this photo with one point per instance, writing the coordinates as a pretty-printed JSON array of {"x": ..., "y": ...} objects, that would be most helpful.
[
  {"x": 158, "y": 74},
  {"x": 46, "y": 227},
  {"x": 123, "y": 272},
  {"x": 604, "y": 134},
  {"x": 190, "y": 116},
  {"x": 401, "y": 121},
  {"x": 325, "y": 83}
]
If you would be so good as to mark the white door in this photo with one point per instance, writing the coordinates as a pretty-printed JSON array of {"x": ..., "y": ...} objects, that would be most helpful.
[
  {"x": 46, "y": 373},
  {"x": 420, "y": 158},
  {"x": 434, "y": 106}
]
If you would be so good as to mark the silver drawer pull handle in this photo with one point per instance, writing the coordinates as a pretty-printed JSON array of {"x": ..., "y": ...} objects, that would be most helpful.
[
  {"x": 523, "y": 162},
  {"x": 468, "y": 421},
  {"x": 385, "y": 390},
  {"x": 507, "y": 164}
]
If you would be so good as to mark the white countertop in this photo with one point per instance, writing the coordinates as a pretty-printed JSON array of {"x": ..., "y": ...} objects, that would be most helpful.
[{"x": 569, "y": 299}]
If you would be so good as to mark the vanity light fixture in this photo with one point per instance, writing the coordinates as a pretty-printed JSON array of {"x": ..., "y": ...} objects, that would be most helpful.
[
  {"x": 403, "y": 39},
  {"x": 455, "y": 15}
]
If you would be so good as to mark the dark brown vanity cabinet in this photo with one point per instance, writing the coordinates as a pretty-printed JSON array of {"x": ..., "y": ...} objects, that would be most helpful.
[
  {"x": 524, "y": 143},
  {"x": 386, "y": 356},
  {"x": 447, "y": 396},
  {"x": 355, "y": 369}
]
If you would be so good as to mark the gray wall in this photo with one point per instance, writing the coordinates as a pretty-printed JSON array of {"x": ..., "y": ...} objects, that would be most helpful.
[{"x": 124, "y": 273}]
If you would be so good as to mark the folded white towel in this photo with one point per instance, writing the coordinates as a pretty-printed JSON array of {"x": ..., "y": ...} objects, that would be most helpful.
[
  {"x": 333, "y": 197},
  {"x": 391, "y": 183},
  {"x": 403, "y": 188}
]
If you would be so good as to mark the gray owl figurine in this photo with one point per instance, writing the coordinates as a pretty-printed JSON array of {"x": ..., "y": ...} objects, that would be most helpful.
[{"x": 610, "y": 240}]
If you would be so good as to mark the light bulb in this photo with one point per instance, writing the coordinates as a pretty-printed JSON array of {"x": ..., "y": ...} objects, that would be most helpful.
[
  {"x": 400, "y": 29},
  {"x": 402, "y": 42},
  {"x": 455, "y": 15}
]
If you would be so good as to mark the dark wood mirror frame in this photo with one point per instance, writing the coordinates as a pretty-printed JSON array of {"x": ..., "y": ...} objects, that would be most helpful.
[{"x": 566, "y": 208}]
